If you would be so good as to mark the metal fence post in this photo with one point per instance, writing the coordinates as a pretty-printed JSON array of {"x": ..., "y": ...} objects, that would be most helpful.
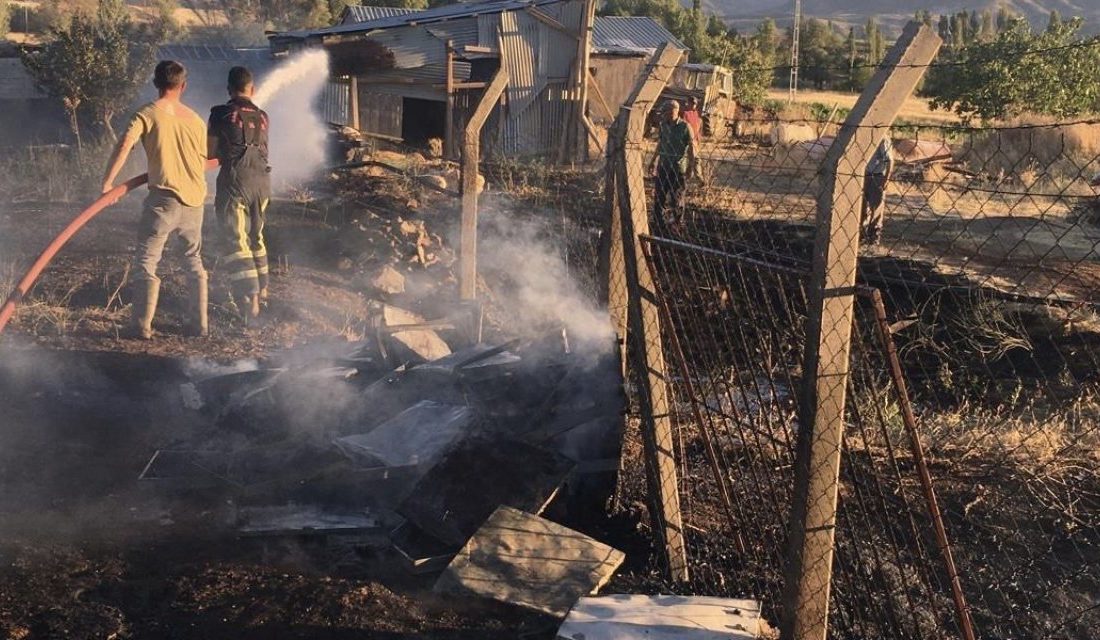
[
  {"x": 643, "y": 315},
  {"x": 829, "y": 333},
  {"x": 471, "y": 151}
]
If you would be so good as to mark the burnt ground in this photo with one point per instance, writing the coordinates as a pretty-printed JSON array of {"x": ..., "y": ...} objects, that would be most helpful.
[{"x": 86, "y": 551}]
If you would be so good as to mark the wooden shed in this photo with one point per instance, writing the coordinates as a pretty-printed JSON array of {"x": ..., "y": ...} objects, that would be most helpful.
[
  {"x": 414, "y": 75},
  {"x": 621, "y": 46}
]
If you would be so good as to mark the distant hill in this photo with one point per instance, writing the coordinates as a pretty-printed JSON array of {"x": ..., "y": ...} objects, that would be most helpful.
[{"x": 744, "y": 14}]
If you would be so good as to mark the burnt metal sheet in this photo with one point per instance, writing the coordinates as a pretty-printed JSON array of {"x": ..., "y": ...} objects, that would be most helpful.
[
  {"x": 419, "y": 435},
  {"x": 297, "y": 520},
  {"x": 463, "y": 489}
]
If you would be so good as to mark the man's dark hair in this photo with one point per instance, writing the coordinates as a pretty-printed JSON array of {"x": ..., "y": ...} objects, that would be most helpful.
[
  {"x": 169, "y": 74},
  {"x": 239, "y": 79}
]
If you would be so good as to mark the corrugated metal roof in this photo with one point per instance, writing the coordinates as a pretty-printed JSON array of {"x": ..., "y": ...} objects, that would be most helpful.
[
  {"x": 214, "y": 53},
  {"x": 363, "y": 13},
  {"x": 438, "y": 14},
  {"x": 611, "y": 34},
  {"x": 618, "y": 33},
  {"x": 16, "y": 83}
]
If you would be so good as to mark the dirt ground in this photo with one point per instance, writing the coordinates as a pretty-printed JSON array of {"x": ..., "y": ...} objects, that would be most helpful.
[{"x": 86, "y": 551}]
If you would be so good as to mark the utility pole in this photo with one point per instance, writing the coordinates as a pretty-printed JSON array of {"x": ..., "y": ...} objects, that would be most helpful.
[{"x": 794, "y": 49}]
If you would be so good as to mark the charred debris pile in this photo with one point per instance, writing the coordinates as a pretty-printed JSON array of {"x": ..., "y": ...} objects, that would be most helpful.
[{"x": 409, "y": 440}]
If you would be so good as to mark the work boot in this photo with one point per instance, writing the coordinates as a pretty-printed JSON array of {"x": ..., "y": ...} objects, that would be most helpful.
[
  {"x": 146, "y": 294},
  {"x": 198, "y": 326},
  {"x": 263, "y": 297},
  {"x": 247, "y": 309}
]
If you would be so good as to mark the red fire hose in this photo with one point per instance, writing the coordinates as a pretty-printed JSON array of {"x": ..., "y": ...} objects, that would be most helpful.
[{"x": 106, "y": 200}]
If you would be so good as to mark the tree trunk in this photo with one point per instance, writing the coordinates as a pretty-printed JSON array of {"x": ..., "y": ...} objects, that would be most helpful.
[
  {"x": 74, "y": 124},
  {"x": 108, "y": 128}
]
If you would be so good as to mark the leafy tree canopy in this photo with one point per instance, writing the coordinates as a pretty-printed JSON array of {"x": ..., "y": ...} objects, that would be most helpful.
[
  {"x": 96, "y": 63},
  {"x": 1053, "y": 72}
]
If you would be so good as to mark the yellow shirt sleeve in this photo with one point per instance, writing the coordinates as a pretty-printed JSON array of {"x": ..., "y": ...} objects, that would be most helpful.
[{"x": 137, "y": 128}]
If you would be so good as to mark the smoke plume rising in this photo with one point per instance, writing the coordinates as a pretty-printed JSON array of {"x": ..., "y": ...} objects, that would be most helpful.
[{"x": 298, "y": 133}]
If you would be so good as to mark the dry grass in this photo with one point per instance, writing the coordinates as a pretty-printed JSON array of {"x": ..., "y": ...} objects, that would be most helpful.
[
  {"x": 1024, "y": 432},
  {"x": 1036, "y": 151},
  {"x": 915, "y": 109}
]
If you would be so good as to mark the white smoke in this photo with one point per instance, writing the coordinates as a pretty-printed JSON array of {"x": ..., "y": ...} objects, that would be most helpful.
[
  {"x": 534, "y": 282},
  {"x": 298, "y": 133}
]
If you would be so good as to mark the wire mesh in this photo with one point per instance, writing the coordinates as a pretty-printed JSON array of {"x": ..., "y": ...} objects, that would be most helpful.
[{"x": 983, "y": 248}]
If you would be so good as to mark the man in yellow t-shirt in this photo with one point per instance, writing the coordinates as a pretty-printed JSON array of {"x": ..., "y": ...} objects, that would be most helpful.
[{"x": 174, "y": 138}]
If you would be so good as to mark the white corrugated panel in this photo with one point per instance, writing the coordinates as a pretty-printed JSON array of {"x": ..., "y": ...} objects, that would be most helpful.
[{"x": 335, "y": 102}]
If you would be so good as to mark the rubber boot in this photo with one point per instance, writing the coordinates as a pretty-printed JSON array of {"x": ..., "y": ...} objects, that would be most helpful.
[
  {"x": 146, "y": 294},
  {"x": 198, "y": 326}
]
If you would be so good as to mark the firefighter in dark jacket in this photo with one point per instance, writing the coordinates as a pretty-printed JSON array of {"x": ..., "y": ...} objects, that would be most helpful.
[{"x": 238, "y": 133}]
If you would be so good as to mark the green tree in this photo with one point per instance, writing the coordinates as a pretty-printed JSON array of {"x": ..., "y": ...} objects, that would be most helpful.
[
  {"x": 1055, "y": 21},
  {"x": 97, "y": 62},
  {"x": 336, "y": 8},
  {"x": 876, "y": 43},
  {"x": 1001, "y": 78},
  {"x": 943, "y": 28},
  {"x": 766, "y": 38},
  {"x": 988, "y": 31}
]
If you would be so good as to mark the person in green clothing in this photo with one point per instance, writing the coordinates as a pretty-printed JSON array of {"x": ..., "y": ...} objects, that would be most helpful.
[{"x": 673, "y": 163}]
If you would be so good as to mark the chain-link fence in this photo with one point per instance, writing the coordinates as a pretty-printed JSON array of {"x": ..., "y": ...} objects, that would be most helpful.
[{"x": 968, "y": 494}]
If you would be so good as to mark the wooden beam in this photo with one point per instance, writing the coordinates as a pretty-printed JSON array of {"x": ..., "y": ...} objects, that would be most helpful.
[
  {"x": 580, "y": 80},
  {"x": 449, "y": 118},
  {"x": 602, "y": 101},
  {"x": 471, "y": 150},
  {"x": 829, "y": 333},
  {"x": 592, "y": 133},
  {"x": 469, "y": 85},
  {"x": 353, "y": 102},
  {"x": 643, "y": 314}
]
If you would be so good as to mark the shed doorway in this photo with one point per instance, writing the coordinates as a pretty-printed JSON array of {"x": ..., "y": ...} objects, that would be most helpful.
[{"x": 422, "y": 120}]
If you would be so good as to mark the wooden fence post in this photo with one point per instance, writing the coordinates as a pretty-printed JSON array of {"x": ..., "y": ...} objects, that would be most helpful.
[
  {"x": 829, "y": 333},
  {"x": 471, "y": 151},
  {"x": 644, "y": 344},
  {"x": 353, "y": 101},
  {"x": 449, "y": 115}
]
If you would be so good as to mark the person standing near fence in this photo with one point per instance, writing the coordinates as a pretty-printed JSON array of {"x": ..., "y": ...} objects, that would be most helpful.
[
  {"x": 878, "y": 173},
  {"x": 238, "y": 139},
  {"x": 174, "y": 139},
  {"x": 673, "y": 163},
  {"x": 692, "y": 116}
]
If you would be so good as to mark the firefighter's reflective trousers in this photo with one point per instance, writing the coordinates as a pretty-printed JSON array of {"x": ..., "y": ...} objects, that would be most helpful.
[{"x": 244, "y": 255}]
